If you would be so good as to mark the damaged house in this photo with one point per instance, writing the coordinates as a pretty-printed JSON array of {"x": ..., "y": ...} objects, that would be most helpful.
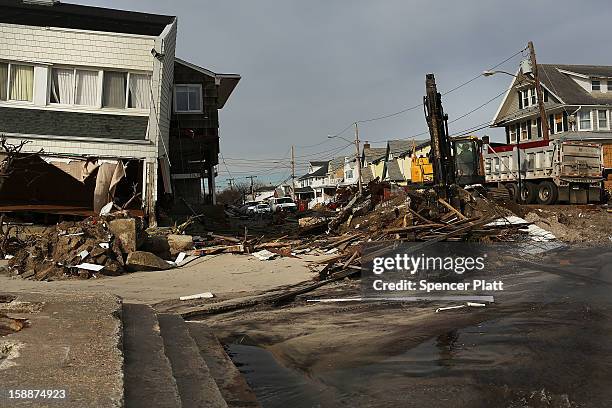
[{"x": 92, "y": 92}]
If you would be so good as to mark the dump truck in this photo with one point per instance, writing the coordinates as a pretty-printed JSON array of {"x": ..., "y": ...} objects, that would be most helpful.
[{"x": 550, "y": 171}]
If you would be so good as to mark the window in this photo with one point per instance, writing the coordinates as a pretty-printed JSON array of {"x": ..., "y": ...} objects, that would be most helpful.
[
  {"x": 525, "y": 94},
  {"x": 584, "y": 120},
  {"x": 558, "y": 120},
  {"x": 71, "y": 86},
  {"x": 139, "y": 93},
  {"x": 609, "y": 85},
  {"x": 596, "y": 85},
  {"x": 528, "y": 98},
  {"x": 62, "y": 86},
  {"x": 3, "y": 81},
  {"x": 16, "y": 82},
  {"x": 114, "y": 89},
  {"x": 602, "y": 119},
  {"x": 512, "y": 133},
  {"x": 188, "y": 98},
  {"x": 349, "y": 174},
  {"x": 525, "y": 130},
  {"x": 86, "y": 88}
]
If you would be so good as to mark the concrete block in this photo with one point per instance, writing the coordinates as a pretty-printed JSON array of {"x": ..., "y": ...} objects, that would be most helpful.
[
  {"x": 179, "y": 243},
  {"x": 145, "y": 261},
  {"x": 124, "y": 230}
]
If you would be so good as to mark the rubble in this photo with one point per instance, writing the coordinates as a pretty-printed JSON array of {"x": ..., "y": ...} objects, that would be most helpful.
[
  {"x": 145, "y": 261},
  {"x": 59, "y": 250}
]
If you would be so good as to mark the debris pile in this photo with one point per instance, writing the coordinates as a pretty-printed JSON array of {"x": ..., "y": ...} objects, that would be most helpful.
[{"x": 70, "y": 249}]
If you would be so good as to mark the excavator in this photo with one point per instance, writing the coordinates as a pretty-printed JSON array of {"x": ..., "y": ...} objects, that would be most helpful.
[{"x": 452, "y": 161}]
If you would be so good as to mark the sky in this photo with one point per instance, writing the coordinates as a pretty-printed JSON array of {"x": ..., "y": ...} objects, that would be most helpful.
[{"x": 310, "y": 68}]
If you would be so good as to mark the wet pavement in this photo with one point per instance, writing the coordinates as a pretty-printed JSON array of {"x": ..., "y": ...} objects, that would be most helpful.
[{"x": 545, "y": 343}]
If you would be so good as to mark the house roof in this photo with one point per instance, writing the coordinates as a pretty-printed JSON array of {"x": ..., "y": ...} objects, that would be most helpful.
[
  {"x": 562, "y": 85},
  {"x": 303, "y": 190},
  {"x": 400, "y": 148},
  {"x": 556, "y": 78},
  {"x": 371, "y": 154},
  {"x": 76, "y": 16},
  {"x": 366, "y": 175},
  {"x": 336, "y": 163},
  {"x": 226, "y": 82},
  {"x": 320, "y": 172},
  {"x": 393, "y": 171}
]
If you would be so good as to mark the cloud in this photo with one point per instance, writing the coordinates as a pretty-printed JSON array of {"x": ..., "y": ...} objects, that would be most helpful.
[{"x": 310, "y": 68}]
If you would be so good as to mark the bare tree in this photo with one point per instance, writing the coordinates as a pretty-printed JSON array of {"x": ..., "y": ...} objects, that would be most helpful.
[{"x": 9, "y": 154}]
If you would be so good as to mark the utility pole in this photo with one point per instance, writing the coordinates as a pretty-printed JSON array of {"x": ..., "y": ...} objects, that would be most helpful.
[
  {"x": 358, "y": 159},
  {"x": 252, "y": 189},
  {"x": 231, "y": 183},
  {"x": 292, "y": 173},
  {"x": 538, "y": 86}
]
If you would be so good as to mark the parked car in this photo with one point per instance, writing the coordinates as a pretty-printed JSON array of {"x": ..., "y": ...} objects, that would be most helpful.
[
  {"x": 249, "y": 207},
  {"x": 262, "y": 208},
  {"x": 282, "y": 204}
]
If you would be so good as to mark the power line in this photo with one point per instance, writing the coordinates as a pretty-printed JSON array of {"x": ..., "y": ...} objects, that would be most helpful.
[{"x": 419, "y": 105}]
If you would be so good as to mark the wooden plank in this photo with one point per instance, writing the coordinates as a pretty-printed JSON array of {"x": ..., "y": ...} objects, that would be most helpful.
[{"x": 453, "y": 209}]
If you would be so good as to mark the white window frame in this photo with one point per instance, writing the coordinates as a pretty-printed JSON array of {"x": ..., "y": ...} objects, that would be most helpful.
[
  {"x": 527, "y": 124},
  {"x": 560, "y": 123},
  {"x": 593, "y": 85},
  {"x": 8, "y": 83},
  {"x": 201, "y": 110},
  {"x": 607, "y": 127},
  {"x": 100, "y": 89},
  {"x": 513, "y": 139},
  {"x": 525, "y": 97},
  {"x": 580, "y": 128}
]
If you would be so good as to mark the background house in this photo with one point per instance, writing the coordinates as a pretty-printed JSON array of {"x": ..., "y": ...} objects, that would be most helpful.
[
  {"x": 194, "y": 129},
  {"x": 578, "y": 103}
]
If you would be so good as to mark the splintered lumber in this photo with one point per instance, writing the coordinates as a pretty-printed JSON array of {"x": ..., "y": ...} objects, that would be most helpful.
[
  {"x": 271, "y": 298},
  {"x": 453, "y": 209},
  {"x": 268, "y": 245},
  {"x": 411, "y": 228},
  {"x": 230, "y": 249},
  {"x": 343, "y": 215},
  {"x": 225, "y": 238},
  {"x": 329, "y": 259}
]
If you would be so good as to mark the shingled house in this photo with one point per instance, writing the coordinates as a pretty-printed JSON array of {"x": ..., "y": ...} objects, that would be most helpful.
[
  {"x": 91, "y": 90},
  {"x": 577, "y": 100}
]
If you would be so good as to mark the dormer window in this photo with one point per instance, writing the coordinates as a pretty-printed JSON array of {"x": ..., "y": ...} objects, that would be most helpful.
[
  {"x": 527, "y": 98},
  {"x": 595, "y": 85}
]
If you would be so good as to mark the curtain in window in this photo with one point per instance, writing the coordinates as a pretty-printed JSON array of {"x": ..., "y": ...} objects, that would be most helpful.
[
  {"x": 62, "y": 90},
  {"x": 3, "y": 81},
  {"x": 140, "y": 91},
  {"x": 22, "y": 82},
  {"x": 87, "y": 88},
  {"x": 113, "y": 93}
]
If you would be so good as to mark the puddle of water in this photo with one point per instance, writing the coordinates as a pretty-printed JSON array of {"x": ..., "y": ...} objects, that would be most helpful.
[{"x": 274, "y": 385}]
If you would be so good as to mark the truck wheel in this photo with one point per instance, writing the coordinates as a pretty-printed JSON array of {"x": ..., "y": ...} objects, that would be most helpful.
[
  {"x": 529, "y": 193},
  {"x": 513, "y": 191},
  {"x": 547, "y": 193}
]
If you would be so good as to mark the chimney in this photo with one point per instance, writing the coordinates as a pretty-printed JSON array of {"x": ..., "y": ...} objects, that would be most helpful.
[{"x": 366, "y": 145}]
